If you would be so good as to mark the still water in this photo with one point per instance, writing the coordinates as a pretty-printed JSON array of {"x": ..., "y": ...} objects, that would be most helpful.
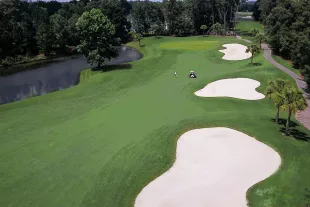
[{"x": 53, "y": 76}]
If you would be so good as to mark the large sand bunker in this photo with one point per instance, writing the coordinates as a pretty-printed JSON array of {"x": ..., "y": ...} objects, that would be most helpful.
[
  {"x": 214, "y": 167},
  {"x": 235, "y": 52},
  {"x": 242, "y": 88}
]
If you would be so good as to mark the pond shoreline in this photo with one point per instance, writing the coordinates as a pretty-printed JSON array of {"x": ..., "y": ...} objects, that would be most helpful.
[
  {"x": 6, "y": 70},
  {"x": 53, "y": 75}
]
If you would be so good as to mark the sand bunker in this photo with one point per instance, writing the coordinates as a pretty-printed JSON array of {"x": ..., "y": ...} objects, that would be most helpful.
[
  {"x": 242, "y": 88},
  {"x": 214, "y": 167},
  {"x": 235, "y": 52},
  {"x": 247, "y": 17}
]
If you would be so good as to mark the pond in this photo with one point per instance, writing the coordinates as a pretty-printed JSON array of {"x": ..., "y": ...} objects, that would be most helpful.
[{"x": 53, "y": 76}]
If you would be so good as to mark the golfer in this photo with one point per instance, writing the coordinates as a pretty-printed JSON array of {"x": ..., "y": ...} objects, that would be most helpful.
[{"x": 175, "y": 74}]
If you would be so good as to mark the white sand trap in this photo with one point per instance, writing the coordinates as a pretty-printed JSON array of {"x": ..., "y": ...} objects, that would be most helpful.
[
  {"x": 235, "y": 52},
  {"x": 247, "y": 17},
  {"x": 214, "y": 167},
  {"x": 242, "y": 88}
]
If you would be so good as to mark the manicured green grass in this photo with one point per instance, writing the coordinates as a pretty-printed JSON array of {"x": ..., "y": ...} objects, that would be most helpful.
[
  {"x": 188, "y": 45},
  {"x": 286, "y": 63},
  {"x": 100, "y": 142},
  {"x": 244, "y": 14},
  {"x": 245, "y": 26}
]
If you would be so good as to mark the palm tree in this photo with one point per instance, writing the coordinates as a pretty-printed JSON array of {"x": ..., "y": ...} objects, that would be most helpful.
[
  {"x": 259, "y": 38},
  {"x": 293, "y": 101},
  {"x": 203, "y": 28},
  {"x": 254, "y": 31},
  {"x": 275, "y": 91},
  {"x": 253, "y": 48}
]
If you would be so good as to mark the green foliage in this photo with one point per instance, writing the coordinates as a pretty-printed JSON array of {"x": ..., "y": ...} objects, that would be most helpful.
[
  {"x": 115, "y": 11},
  {"x": 287, "y": 26},
  {"x": 30, "y": 27},
  {"x": 256, "y": 11},
  {"x": 59, "y": 28},
  {"x": 146, "y": 15},
  {"x": 246, "y": 7},
  {"x": 306, "y": 73},
  {"x": 260, "y": 38},
  {"x": 97, "y": 35},
  {"x": 217, "y": 29},
  {"x": 156, "y": 29},
  {"x": 44, "y": 38},
  {"x": 201, "y": 13},
  {"x": 137, "y": 37},
  {"x": 254, "y": 32},
  {"x": 203, "y": 28},
  {"x": 294, "y": 101},
  {"x": 175, "y": 11},
  {"x": 74, "y": 38},
  {"x": 306, "y": 198},
  {"x": 275, "y": 91},
  {"x": 253, "y": 49},
  {"x": 287, "y": 98}
]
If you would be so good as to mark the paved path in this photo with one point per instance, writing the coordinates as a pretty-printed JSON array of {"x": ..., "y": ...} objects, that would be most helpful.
[{"x": 303, "y": 116}]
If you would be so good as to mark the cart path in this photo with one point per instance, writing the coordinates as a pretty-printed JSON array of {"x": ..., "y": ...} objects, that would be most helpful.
[{"x": 302, "y": 116}]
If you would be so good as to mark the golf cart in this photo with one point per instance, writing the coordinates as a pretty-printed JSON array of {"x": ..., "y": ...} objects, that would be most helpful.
[{"x": 192, "y": 74}]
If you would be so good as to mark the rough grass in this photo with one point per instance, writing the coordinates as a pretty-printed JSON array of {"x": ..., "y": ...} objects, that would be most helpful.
[
  {"x": 286, "y": 63},
  {"x": 99, "y": 143}
]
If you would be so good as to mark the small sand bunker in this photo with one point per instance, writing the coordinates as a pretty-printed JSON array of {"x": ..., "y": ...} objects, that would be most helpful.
[
  {"x": 214, "y": 167},
  {"x": 247, "y": 17},
  {"x": 235, "y": 52},
  {"x": 242, "y": 88}
]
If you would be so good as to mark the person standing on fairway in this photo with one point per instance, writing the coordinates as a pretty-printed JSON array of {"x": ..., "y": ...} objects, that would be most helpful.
[{"x": 175, "y": 74}]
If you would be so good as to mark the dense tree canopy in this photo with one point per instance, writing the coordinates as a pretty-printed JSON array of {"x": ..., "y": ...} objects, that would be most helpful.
[
  {"x": 287, "y": 24},
  {"x": 49, "y": 27},
  {"x": 97, "y": 37},
  {"x": 29, "y": 28}
]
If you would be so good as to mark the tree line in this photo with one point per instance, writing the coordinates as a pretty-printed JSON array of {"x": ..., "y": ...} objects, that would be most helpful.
[
  {"x": 29, "y": 28},
  {"x": 287, "y": 25},
  {"x": 180, "y": 18}
]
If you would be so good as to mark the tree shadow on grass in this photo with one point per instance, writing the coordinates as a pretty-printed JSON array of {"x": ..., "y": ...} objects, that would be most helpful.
[
  {"x": 295, "y": 133},
  {"x": 254, "y": 64},
  {"x": 107, "y": 68},
  {"x": 283, "y": 122}
]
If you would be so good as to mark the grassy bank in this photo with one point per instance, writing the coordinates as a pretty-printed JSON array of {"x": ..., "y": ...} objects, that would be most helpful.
[
  {"x": 286, "y": 63},
  {"x": 100, "y": 142}
]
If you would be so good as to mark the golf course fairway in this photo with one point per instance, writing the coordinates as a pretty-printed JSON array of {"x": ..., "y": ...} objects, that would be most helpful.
[{"x": 101, "y": 142}]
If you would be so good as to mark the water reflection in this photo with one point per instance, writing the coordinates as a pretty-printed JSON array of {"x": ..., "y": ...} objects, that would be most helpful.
[{"x": 53, "y": 76}]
